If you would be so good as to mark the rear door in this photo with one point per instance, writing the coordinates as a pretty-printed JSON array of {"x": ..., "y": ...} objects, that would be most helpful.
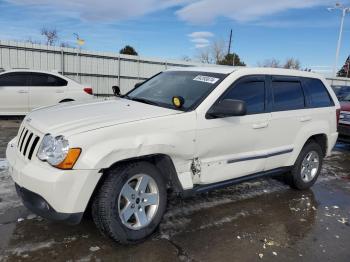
[
  {"x": 14, "y": 93},
  {"x": 46, "y": 90},
  {"x": 289, "y": 115}
]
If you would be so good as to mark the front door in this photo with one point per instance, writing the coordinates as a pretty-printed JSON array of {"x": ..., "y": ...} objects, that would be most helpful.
[
  {"x": 14, "y": 93},
  {"x": 231, "y": 147}
]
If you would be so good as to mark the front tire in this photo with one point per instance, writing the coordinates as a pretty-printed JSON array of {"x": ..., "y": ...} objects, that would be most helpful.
[
  {"x": 307, "y": 167},
  {"x": 130, "y": 203}
]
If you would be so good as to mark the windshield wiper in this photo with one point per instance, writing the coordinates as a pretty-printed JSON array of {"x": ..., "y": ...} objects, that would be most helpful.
[{"x": 143, "y": 100}]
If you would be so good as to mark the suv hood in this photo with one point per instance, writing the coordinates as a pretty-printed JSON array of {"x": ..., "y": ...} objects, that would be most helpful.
[
  {"x": 74, "y": 117},
  {"x": 345, "y": 106}
]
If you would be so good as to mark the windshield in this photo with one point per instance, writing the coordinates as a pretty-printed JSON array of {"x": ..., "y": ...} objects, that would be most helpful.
[
  {"x": 193, "y": 87},
  {"x": 347, "y": 98},
  {"x": 342, "y": 92}
]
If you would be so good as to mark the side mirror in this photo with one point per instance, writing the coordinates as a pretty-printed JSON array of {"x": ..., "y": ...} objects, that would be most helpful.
[
  {"x": 116, "y": 90},
  {"x": 138, "y": 84},
  {"x": 227, "y": 108}
]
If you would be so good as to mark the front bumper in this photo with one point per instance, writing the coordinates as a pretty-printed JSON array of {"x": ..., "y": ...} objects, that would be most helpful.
[
  {"x": 344, "y": 133},
  {"x": 52, "y": 193},
  {"x": 41, "y": 207}
]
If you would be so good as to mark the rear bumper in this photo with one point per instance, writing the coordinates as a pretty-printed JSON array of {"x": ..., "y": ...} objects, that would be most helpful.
[
  {"x": 344, "y": 133},
  {"x": 38, "y": 205}
]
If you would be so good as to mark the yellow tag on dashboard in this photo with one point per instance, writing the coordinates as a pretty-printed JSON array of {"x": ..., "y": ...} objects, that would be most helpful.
[{"x": 178, "y": 101}]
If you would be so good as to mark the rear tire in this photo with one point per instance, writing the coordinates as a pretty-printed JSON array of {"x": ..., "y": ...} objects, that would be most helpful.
[
  {"x": 130, "y": 203},
  {"x": 307, "y": 167}
]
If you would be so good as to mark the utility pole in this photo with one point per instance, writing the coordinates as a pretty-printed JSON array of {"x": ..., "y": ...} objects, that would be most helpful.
[
  {"x": 344, "y": 10},
  {"x": 80, "y": 42},
  {"x": 229, "y": 49},
  {"x": 229, "y": 43}
]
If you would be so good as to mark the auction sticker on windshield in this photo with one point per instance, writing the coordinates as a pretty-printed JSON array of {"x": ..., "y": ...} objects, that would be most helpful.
[{"x": 206, "y": 79}]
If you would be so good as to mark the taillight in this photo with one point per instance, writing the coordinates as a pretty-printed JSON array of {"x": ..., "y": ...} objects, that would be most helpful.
[
  {"x": 88, "y": 90},
  {"x": 338, "y": 116}
]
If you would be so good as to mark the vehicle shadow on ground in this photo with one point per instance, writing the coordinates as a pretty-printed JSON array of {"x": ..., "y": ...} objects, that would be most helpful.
[
  {"x": 250, "y": 215},
  {"x": 342, "y": 146}
]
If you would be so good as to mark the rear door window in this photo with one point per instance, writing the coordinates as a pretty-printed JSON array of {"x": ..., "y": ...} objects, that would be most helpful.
[
  {"x": 287, "y": 95},
  {"x": 40, "y": 79},
  {"x": 14, "y": 79},
  {"x": 317, "y": 93}
]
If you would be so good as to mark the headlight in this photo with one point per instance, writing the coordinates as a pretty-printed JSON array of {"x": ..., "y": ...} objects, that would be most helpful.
[{"x": 53, "y": 149}]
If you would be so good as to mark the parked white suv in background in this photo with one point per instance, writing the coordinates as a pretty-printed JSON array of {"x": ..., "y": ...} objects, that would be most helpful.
[
  {"x": 23, "y": 90},
  {"x": 188, "y": 131}
]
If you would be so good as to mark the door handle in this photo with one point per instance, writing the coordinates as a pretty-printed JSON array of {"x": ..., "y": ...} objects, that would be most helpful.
[
  {"x": 59, "y": 91},
  {"x": 305, "y": 119},
  {"x": 23, "y": 91},
  {"x": 260, "y": 125}
]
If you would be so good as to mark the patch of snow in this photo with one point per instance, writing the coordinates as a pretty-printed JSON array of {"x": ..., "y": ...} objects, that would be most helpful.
[
  {"x": 94, "y": 249},
  {"x": 8, "y": 195},
  {"x": 69, "y": 239},
  {"x": 225, "y": 220},
  {"x": 85, "y": 259},
  {"x": 342, "y": 220},
  {"x": 27, "y": 248},
  {"x": 3, "y": 164}
]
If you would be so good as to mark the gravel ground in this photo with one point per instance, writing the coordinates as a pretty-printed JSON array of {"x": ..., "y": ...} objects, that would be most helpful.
[{"x": 255, "y": 221}]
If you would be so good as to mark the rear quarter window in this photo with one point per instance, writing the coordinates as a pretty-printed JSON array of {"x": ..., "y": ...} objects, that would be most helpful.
[
  {"x": 40, "y": 79},
  {"x": 318, "y": 95}
]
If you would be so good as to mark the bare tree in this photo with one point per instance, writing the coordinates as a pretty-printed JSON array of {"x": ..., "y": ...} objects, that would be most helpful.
[
  {"x": 274, "y": 63},
  {"x": 204, "y": 56},
  {"x": 186, "y": 58},
  {"x": 66, "y": 44},
  {"x": 32, "y": 41},
  {"x": 292, "y": 63},
  {"x": 218, "y": 50},
  {"x": 50, "y": 34}
]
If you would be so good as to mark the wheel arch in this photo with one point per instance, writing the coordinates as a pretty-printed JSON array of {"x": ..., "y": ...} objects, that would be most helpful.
[
  {"x": 162, "y": 162},
  {"x": 322, "y": 140},
  {"x": 66, "y": 100}
]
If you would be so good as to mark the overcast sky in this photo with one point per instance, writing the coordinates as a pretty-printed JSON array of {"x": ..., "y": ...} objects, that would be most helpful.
[{"x": 262, "y": 29}]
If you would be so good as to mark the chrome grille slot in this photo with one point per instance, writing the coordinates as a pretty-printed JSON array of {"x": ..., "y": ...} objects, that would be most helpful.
[
  {"x": 20, "y": 137},
  {"x": 35, "y": 142},
  {"x": 23, "y": 139},
  {"x": 27, "y": 142}
]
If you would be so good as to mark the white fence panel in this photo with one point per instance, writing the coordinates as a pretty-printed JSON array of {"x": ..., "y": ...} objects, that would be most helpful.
[{"x": 96, "y": 69}]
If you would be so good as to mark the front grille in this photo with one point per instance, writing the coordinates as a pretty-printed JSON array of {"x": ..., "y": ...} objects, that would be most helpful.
[{"x": 27, "y": 142}]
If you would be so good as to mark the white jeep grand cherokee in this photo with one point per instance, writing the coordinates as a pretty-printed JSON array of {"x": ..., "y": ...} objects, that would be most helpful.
[{"x": 186, "y": 130}]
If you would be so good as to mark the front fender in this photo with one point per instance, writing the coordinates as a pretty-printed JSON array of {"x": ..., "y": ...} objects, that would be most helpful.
[{"x": 172, "y": 135}]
